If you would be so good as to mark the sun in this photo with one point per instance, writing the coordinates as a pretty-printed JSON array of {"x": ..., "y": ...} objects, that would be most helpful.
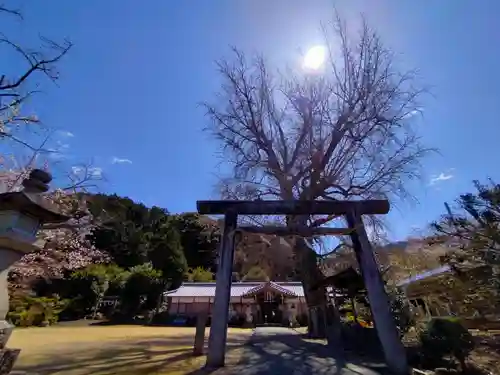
[{"x": 315, "y": 57}]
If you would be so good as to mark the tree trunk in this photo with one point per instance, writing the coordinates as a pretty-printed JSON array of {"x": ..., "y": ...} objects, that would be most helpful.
[
  {"x": 159, "y": 302},
  {"x": 463, "y": 364},
  {"x": 310, "y": 275},
  {"x": 96, "y": 307},
  {"x": 156, "y": 311},
  {"x": 323, "y": 320}
]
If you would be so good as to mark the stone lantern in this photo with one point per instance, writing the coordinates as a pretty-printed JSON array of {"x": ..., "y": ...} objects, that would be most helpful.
[{"x": 21, "y": 216}]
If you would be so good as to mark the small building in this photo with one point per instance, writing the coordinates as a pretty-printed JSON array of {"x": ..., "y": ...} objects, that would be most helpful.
[
  {"x": 439, "y": 292},
  {"x": 263, "y": 302},
  {"x": 424, "y": 293}
]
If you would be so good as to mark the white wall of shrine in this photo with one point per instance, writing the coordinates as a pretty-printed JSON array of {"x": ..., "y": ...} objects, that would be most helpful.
[{"x": 291, "y": 307}]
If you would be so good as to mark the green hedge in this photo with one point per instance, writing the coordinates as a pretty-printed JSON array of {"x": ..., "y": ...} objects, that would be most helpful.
[
  {"x": 446, "y": 337},
  {"x": 27, "y": 311}
]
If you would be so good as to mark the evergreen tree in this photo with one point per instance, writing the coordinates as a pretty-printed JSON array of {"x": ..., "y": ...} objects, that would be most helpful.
[{"x": 473, "y": 229}]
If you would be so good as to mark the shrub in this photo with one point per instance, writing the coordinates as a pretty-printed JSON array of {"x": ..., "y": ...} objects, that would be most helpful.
[
  {"x": 191, "y": 321},
  {"x": 29, "y": 311},
  {"x": 93, "y": 283},
  {"x": 74, "y": 309},
  {"x": 362, "y": 322},
  {"x": 234, "y": 321},
  {"x": 292, "y": 322},
  {"x": 141, "y": 290},
  {"x": 302, "y": 320},
  {"x": 162, "y": 318},
  {"x": 199, "y": 274},
  {"x": 444, "y": 337},
  {"x": 401, "y": 311}
]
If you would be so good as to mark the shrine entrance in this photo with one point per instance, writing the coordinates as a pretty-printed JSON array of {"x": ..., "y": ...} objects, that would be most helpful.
[
  {"x": 269, "y": 308},
  {"x": 270, "y": 299},
  {"x": 393, "y": 348}
]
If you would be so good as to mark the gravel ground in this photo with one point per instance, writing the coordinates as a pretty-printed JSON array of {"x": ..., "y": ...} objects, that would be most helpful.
[{"x": 276, "y": 350}]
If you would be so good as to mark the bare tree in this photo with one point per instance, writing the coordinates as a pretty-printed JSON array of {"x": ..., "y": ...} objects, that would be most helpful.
[
  {"x": 19, "y": 86},
  {"x": 27, "y": 143},
  {"x": 343, "y": 133}
]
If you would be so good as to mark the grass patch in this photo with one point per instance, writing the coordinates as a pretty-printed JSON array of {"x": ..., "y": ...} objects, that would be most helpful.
[{"x": 106, "y": 350}]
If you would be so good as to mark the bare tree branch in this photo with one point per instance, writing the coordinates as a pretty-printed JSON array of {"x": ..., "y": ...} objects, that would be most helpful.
[
  {"x": 37, "y": 63},
  {"x": 13, "y": 12},
  {"x": 17, "y": 87},
  {"x": 346, "y": 134}
]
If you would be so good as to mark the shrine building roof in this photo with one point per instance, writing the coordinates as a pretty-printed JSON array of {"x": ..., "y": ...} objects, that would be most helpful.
[{"x": 238, "y": 289}]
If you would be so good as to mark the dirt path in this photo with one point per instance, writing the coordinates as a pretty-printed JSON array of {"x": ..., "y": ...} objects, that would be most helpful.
[{"x": 275, "y": 350}]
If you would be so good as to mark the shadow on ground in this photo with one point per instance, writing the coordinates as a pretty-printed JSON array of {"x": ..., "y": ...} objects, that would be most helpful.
[
  {"x": 267, "y": 354},
  {"x": 155, "y": 355},
  {"x": 293, "y": 354}
]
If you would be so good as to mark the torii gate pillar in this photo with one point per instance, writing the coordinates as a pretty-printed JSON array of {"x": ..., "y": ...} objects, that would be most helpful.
[
  {"x": 394, "y": 351},
  {"x": 218, "y": 328}
]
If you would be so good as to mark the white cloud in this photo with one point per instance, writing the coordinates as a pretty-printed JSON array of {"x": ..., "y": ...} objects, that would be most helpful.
[
  {"x": 92, "y": 171},
  {"x": 62, "y": 146},
  {"x": 59, "y": 150},
  {"x": 116, "y": 160},
  {"x": 66, "y": 133},
  {"x": 95, "y": 172},
  {"x": 77, "y": 170},
  {"x": 412, "y": 113},
  {"x": 55, "y": 155},
  {"x": 441, "y": 177}
]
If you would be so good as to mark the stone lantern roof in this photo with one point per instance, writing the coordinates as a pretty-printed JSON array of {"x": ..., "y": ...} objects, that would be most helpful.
[{"x": 30, "y": 200}]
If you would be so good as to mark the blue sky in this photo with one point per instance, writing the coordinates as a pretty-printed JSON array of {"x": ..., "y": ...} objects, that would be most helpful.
[{"x": 130, "y": 86}]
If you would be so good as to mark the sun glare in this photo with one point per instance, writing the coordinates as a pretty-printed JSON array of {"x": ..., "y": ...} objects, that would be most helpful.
[{"x": 315, "y": 57}]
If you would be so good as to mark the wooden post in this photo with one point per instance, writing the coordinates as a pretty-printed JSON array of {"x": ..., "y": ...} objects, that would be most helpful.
[
  {"x": 199, "y": 338},
  {"x": 96, "y": 306},
  {"x": 427, "y": 307},
  {"x": 218, "y": 330},
  {"x": 315, "y": 322},
  {"x": 309, "y": 321},
  {"x": 326, "y": 323},
  {"x": 448, "y": 309},
  {"x": 354, "y": 311},
  {"x": 392, "y": 346},
  {"x": 335, "y": 332}
]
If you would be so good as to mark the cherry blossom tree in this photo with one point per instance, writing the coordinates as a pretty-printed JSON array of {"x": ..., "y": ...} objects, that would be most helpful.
[{"x": 27, "y": 144}]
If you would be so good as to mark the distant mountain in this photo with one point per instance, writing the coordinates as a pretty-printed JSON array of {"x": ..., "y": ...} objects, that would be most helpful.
[{"x": 272, "y": 254}]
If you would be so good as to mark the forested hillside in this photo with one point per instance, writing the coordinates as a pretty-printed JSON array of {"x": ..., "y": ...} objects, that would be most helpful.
[
  {"x": 115, "y": 230},
  {"x": 114, "y": 246}
]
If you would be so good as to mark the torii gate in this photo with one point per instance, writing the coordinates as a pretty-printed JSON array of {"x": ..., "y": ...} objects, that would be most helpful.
[{"x": 384, "y": 323}]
